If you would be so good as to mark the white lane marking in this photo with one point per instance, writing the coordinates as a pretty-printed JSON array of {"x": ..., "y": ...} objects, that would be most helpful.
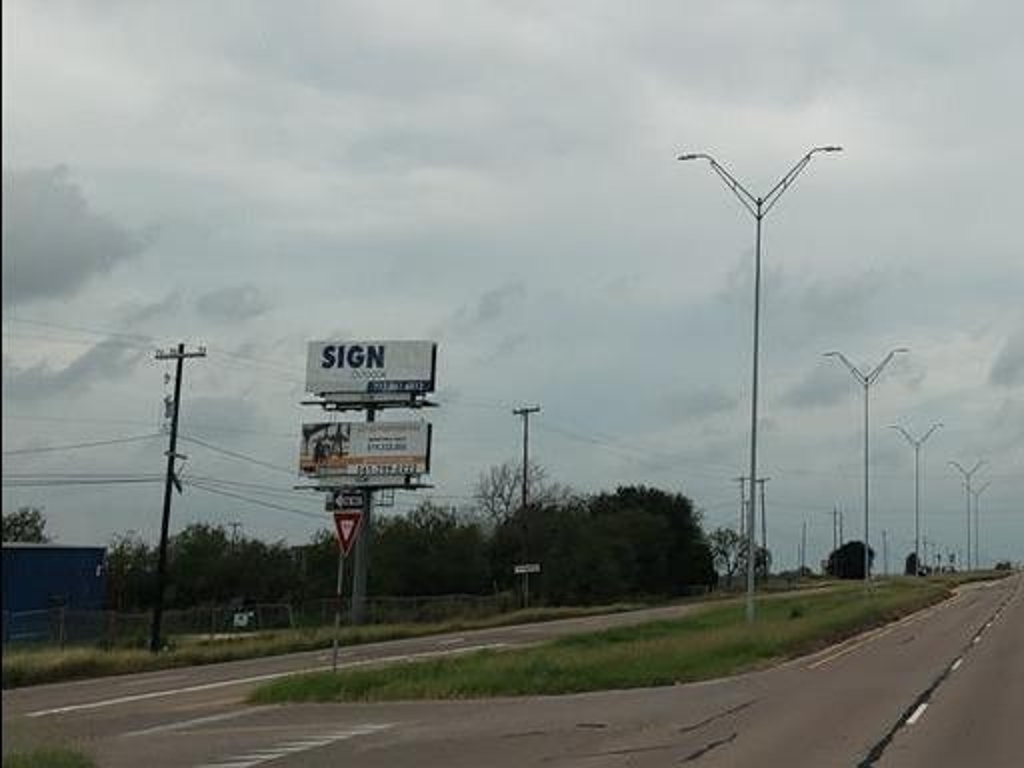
[
  {"x": 253, "y": 679},
  {"x": 185, "y": 724},
  {"x": 451, "y": 641},
  {"x": 976, "y": 640},
  {"x": 277, "y": 751},
  {"x": 957, "y": 663},
  {"x": 917, "y": 713}
]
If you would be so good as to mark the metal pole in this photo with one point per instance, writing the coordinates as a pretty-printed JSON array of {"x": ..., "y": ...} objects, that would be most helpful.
[
  {"x": 337, "y": 611},
  {"x": 867, "y": 538},
  {"x": 751, "y": 521},
  {"x": 764, "y": 526},
  {"x": 967, "y": 475},
  {"x": 917, "y": 508},
  {"x": 361, "y": 564},
  {"x": 758, "y": 207}
]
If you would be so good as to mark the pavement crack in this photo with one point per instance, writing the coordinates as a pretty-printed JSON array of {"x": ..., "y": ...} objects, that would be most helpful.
[
  {"x": 709, "y": 747},
  {"x": 717, "y": 716}
]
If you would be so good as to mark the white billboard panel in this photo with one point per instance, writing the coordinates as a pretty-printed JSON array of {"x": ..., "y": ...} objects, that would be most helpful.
[
  {"x": 365, "y": 449},
  {"x": 374, "y": 367}
]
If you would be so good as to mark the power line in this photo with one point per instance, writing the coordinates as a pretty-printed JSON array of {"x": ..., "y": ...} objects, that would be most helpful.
[
  {"x": 257, "y": 502},
  {"x": 76, "y": 446},
  {"x": 237, "y": 455}
]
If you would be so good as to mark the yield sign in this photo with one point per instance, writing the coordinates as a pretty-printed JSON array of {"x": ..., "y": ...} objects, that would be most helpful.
[{"x": 346, "y": 525}]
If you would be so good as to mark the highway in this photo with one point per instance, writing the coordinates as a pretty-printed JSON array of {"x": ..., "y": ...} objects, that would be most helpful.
[{"x": 944, "y": 687}]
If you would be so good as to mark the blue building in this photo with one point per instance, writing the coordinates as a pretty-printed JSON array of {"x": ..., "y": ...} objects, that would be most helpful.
[{"x": 41, "y": 576}]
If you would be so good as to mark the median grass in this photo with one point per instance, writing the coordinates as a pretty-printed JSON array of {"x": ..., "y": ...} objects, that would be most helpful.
[
  {"x": 48, "y": 757},
  {"x": 712, "y": 641},
  {"x": 33, "y": 666}
]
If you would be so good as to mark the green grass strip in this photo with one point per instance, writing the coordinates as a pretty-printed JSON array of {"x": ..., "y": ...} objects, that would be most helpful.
[
  {"x": 50, "y": 757},
  {"x": 713, "y": 641},
  {"x": 48, "y": 665}
]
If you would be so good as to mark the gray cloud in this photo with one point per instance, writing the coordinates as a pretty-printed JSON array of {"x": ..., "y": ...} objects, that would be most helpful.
[
  {"x": 234, "y": 303},
  {"x": 823, "y": 385},
  {"x": 700, "y": 403},
  {"x": 215, "y": 415},
  {"x": 53, "y": 241},
  {"x": 1008, "y": 368},
  {"x": 109, "y": 360},
  {"x": 491, "y": 305},
  {"x": 135, "y": 312}
]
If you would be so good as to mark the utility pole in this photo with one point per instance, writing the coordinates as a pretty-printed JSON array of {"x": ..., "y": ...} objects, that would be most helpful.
[
  {"x": 171, "y": 480},
  {"x": 764, "y": 526},
  {"x": 977, "y": 522},
  {"x": 885, "y": 552},
  {"x": 742, "y": 481},
  {"x": 803, "y": 548},
  {"x": 835, "y": 528},
  {"x": 967, "y": 475},
  {"x": 842, "y": 539},
  {"x": 525, "y": 412}
]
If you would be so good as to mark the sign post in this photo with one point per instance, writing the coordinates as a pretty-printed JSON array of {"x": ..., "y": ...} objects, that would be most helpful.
[
  {"x": 524, "y": 570},
  {"x": 346, "y": 525}
]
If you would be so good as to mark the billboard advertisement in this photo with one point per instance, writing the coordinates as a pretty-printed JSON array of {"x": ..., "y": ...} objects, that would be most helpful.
[
  {"x": 365, "y": 449},
  {"x": 370, "y": 367}
]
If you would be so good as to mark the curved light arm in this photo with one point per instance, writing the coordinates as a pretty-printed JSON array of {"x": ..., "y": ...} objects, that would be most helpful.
[
  {"x": 742, "y": 193},
  {"x": 854, "y": 370},
  {"x": 910, "y": 438},
  {"x": 784, "y": 183},
  {"x": 871, "y": 377}
]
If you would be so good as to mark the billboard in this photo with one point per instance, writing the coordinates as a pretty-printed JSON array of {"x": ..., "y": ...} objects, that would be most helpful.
[
  {"x": 370, "y": 367},
  {"x": 365, "y": 449}
]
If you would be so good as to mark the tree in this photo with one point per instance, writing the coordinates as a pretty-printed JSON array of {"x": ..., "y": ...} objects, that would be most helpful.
[
  {"x": 498, "y": 491},
  {"x": 27, "y": 524},
  {"x": 131, "y": 573},
  {"x": 847, "y": 562},
  {"x": 726, "y": 552}
]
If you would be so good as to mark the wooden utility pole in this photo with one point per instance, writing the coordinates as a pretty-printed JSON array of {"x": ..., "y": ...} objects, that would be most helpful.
[{"x": 179, "y": 355}]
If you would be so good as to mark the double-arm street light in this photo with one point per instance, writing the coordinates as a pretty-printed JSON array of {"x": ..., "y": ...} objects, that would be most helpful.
[
  {"x": 758, "y": 206},
  {"x": 917, "y": 443},
  {"x": 967, "y": 475},
  {"x": 866, "y": 380},
  {"x": 977, "y": 523}
]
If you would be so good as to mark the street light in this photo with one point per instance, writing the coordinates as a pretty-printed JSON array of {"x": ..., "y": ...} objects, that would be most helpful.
[
  {"x": 977, "y": 524},
  {"x": 968, "y": 474},
  {"x": 758, "y": 207},
  {"x": 866, "y": 380},
  {"x": 917, "y": 443}
]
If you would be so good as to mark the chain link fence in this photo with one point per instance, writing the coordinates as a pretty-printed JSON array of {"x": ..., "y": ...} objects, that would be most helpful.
[{"x": 64, "y": 626}]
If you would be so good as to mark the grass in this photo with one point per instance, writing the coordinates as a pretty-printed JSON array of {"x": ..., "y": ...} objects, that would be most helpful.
[
  {"x": 711, "y": 642},
  {"x": 34, "y": 666},
  {"x": 47, "y": 757}
]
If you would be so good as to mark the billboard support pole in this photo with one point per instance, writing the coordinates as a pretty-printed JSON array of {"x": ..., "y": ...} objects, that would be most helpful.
[{"x": 361, "y": 562}]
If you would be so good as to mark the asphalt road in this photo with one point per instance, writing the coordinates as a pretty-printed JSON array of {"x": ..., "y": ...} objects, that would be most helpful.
[{"x": 944, "y": 687}]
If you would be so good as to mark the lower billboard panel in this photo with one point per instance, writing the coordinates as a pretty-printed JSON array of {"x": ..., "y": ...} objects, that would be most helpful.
[{"x": 365, "y": 450}]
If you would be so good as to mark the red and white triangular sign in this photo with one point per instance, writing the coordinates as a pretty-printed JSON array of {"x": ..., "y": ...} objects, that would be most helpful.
[{"x": 346, "y": 525}]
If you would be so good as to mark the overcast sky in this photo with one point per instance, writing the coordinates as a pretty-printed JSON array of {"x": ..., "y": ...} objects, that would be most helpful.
[{"x": 501, "y": 177}]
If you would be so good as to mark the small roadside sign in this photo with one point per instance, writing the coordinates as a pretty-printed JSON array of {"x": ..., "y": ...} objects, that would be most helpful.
[
  {"x": 526, "y": 568},
  {"x": 346, "y": 525},
  {"x": 345, "y": 499}
]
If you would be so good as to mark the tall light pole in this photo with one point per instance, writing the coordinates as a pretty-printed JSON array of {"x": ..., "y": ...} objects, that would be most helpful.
[
  {"x": 917, "y": 443},
  {"x": 758, "y": 206},
  {"x": 866, "y": 379},
  {"x": 977, "y": 524},
  {"x": 967, "y": 475}
]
